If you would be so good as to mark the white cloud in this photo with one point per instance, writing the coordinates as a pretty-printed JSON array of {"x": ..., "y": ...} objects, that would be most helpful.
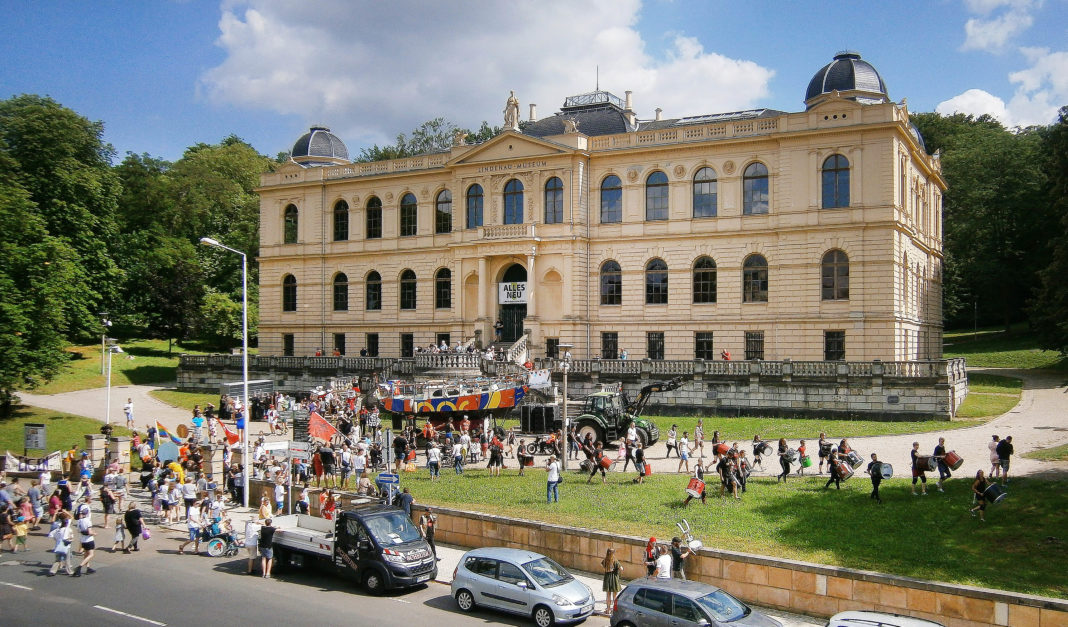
[
  {"x": 371, "y": 70},
  {"x": 1040, "y": 91},
  {"x": 992, "y": 35},
  {"x": 984, "y": 7}
]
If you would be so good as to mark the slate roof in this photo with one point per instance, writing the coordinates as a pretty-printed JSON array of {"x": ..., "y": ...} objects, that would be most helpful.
[
  {"x": 319, "y": 142},
  {"x": 847, "y": 72}
]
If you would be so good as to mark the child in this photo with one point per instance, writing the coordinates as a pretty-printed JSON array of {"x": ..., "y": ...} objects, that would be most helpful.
[
  {"x": 22, "y": 530},
  {"x": 801, "y": 458},
  {"x": 120, "y": 535}
]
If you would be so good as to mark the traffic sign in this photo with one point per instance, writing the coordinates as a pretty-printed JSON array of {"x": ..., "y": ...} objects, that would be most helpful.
[
  {"x": 387, "y": 478},
  {"x": 300, "y": 450}
]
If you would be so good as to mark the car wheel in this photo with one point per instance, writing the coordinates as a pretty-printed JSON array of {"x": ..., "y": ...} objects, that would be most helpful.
[
  {"x": 543, "y": 616},
  {"x": 626, "y": 624},
  {"x": 465, "y": 600},
  {"x": 373, "y": 582}
]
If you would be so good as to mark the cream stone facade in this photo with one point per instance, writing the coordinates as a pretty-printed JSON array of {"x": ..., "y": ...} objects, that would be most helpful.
[{"x": 861, "y": 281}]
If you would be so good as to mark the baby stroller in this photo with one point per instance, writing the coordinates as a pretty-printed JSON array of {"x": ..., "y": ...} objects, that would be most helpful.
[{"x": 221, "y": 540}]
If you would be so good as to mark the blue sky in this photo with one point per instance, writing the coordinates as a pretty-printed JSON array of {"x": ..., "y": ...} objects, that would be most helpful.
[{"x": 165, "y": 75}]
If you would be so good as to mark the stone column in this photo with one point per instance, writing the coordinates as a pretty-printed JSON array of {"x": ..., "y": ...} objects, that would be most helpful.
[
  {"x": 532, "y": 311},
  {"x": 119, "y": 452},
  {"x": 483, "y": 291},
  {"x": 96, "y": 446}
]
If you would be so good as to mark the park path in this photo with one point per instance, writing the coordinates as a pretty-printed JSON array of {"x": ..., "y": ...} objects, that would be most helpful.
[{"x": 1040, "y": 420}]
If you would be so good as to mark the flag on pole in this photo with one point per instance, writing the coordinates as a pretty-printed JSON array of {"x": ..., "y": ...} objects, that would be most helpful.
[
  {"x": 164, "y": 433},
  {"x": 231, "y": 436},
  {"x": 318, "y": 427}
]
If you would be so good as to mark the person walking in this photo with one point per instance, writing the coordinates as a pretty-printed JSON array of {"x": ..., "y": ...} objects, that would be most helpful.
[
  {"x": 823, "y": 450},
  {"x": 457, "y": 457},
  {"x": 979, "y": 487},
  {"x": 1005, "y": 451},
  {"x": 552, "y": 485},
  {"x": 639, "y": 462},
  {"x": 784, "y": 461},
  {"x": 193, "y": 525},
  {"x": 684, "y": 452},
  {"x": 836, "y": 477},
  {"x": 128, "y": 409},
  {"x": 132, "y": 519},
  {"x": 875, "y": 470},
  {"x": 943, "y": 468},
  {"x": 758, "y": 451},
  {"x": 427, "y": 523},
  {"x": 995, "y": 465},
  {"x": 672, "y": 441},
  {"x": 596, "y": 463},
  {"x": 698, "y": 439},
  {"x": 433, "y": 461},
  {"x": 610, "y": 584},
  {"x": 64, "y": 537},
  {"x": 266, "y": 547},
  {"x": 801, "y": 457},
  {"x": 918, "y": 474},
  {"x": 88, "y": 540}
]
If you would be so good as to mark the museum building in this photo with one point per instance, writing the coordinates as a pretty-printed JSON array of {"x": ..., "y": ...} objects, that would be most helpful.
[{"x": 814, "y": 235}]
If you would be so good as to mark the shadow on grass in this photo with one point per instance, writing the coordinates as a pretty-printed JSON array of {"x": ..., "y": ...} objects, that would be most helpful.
[{"x": 151, "y": 374}]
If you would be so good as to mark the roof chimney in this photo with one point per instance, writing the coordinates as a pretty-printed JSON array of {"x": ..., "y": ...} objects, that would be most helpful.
[
  {"x": 658, "y": 112},
  {"x": 533, "y": 112},
  {"x": 629, "y": 104}
]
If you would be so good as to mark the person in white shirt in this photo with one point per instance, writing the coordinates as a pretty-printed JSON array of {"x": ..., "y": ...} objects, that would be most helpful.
[
  {"x": 465, "y": 444},
  {"x": 85, "y": 533},
  {"x": 458, "y": 458},
  {"x": 433, "y": 461},
  {"x": 359, "y": 463},
  {"x": 684, "y": 453},
  {"x": 193, "y": 524},
  {"x": 64, "y": 537},
  {"x": 552, "y": 486},
  {"x": 128, "y": 410},
  {"x": 280, "y": 495},
  {"x": 663, "y": 564}
]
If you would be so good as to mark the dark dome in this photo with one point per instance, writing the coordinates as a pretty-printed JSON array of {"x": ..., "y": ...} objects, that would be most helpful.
[
  {"x": 848, "y": 73},
  {"x": 319, "y": 143}
]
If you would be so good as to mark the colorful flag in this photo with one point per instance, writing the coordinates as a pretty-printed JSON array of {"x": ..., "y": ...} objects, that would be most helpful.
[
  {"x": 231, "y": 436},
  {"x": 318, "y": 427},
  {"x": 164, "y": 433}
]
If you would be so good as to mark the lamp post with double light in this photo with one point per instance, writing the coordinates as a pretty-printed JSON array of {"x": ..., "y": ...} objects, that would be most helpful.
[
  {"x": 110, "y": 348},
  {"x": 105, "y": 322},
  {"x": 565, "y": 366},
  {"x": 207, "y": 241}
]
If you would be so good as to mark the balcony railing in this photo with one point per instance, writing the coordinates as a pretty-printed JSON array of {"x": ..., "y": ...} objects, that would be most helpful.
[{"x": 508, "y": 231}]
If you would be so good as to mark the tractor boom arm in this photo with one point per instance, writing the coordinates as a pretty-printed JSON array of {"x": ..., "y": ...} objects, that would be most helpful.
[{"x": 638, "y": 406}]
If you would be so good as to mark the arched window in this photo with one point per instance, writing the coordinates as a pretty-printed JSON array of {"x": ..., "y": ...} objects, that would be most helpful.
[
  {"x": 834, "y": 276},
  {"x": 373, "y": 291},
  {"x": 374, "y": 218},
  {"x": 407, "y": 290},
  {"x": 611, "y": 283},
  {"x": 704, "y": 193},
  {"x": 341, "y": 292},
  {"x": 513, "y": 202},
  {"x": 474, "y": 206},
  {"x": 443, "y": 212},
  {"x": 755, "y": 279},
  {"x": 554, "y": 201},
  {"x": 289, "y": 226},
  {"x": 656, "y": 196},
  {"x": 704, "y": 280},
  {"x": 409, "y": 215},
  {"x": 443, "y": 289},
  {"x": 755, "y": 189},
  {"x": 289, "y": 293},
  {"x": 835, "y": 182},
  {"x": 656, "y": 282},
  {"x": 611, "y": 199},
  {"x": 341, "y": 221}
]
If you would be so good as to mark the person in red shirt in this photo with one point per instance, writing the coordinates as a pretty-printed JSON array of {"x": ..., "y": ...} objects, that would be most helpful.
[{"x": 725, "y": 355}]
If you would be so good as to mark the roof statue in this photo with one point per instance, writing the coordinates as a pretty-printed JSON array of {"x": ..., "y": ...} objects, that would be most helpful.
[
  {"x": 459, "y": 138},
  {"x": 511, "y": 113},
  {"x": 570, "y": 125}
]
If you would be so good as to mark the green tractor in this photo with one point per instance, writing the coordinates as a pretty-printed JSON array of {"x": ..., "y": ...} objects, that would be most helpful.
[{"x": 608, "y": 414}]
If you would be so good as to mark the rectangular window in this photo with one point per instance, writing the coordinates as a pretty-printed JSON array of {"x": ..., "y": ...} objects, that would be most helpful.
[
  {"x": 609, "y": 345},
  {"x": 407, "y": 344},
  {"x": 834, "y": 345},
  {"x": 374, "y": 222},
  {"x": 339, "y": 343},
  {"x": 754, "y": 345},
  {"x": 552, "y": 347},
  {"x": 287, "y": 345},
  {"x": 654, "y": 342},
  {"x": 703, "y": 346},
  {"x": 443, "y": 337},
  {"x": 372, "y": 345}
]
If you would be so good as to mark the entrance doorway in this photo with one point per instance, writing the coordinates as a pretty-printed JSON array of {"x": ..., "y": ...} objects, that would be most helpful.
[{"x": 513, "y": 314}]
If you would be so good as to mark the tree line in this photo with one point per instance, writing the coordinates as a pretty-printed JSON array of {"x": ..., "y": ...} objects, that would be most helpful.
[{"x": 83, "y": 235}]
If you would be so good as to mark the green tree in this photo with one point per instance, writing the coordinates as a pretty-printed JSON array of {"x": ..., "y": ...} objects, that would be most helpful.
[
  {"x": 435, "y": 135},
  {"x": 164, "y": 287},
  {"x": 64, "y": 165},
  {"x": 37, "y": 276},
  {"x": 1050, "y": 308},
  {"x": 220, "y": 320}
]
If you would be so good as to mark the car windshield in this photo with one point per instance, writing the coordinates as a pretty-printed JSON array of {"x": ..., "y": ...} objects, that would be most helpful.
[
  {"x": 547, "y": 572},
  {"x": 390, "y": 529},
  {"x": 723, "y": 607}
]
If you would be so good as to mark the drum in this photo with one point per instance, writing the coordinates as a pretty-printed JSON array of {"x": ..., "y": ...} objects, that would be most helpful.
[
  {"x": 411, "y": 456},
  {"x": 695, "y": 487},
  {"x": 886, "y": 470},
  {"x": 926, "y": 463},
  {"x": 854, "y": 460},
  {"x": 994, "y": 493},
  {"x": 648, "y": 469},
  {"x": 791, "y": 455},
  {"x": 806, "y": 461},
  {"x": 765, "y": 449},
  {"x": 606, "y": 462},
  {"x": 721, "y": 448},
  {"x": 825, "y": 449},
  {"x": 953, "y": 460},
  {"x": 845, "y": 471},
  {"x": 183, "y": 431},
  {"x": 585, "y": 465},
  {"x": 526, "y": 461}
]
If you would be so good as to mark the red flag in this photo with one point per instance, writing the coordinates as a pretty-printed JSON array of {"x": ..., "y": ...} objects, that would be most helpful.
[
  {"x": 319, "y": 428},
  {"x": 231, "y": 436}
]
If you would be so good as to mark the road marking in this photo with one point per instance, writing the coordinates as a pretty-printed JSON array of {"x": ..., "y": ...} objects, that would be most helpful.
[
  {"x": 397, "y": 600},
  {"x": 133, "y": 616},
  {"x": 14, "y": 585}
]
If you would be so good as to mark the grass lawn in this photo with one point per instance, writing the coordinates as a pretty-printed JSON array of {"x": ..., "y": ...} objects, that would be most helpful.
[
  {"x": 144, "y": 361},
  {"x": 1054, "y": 454},
  {"x": 990, "y": 395},
  {"x": 997, "y": 349},
  {"x": 62, "y": 430},
  {"x": 185, "y": 400},
  {"x": 930, "y": 537}
]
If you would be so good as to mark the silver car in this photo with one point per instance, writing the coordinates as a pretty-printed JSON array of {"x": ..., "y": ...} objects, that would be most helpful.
[
  {"x": 677, "y": 603},
  {"x": 520, "y": 582},
  {"x": 861, "y": 618}
]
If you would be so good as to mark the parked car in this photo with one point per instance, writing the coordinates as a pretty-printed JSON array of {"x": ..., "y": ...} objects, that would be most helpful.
[
  {"x": 520, "y": 582},
  {"x": 676, "y": 603},
  {"x": 858, "y": 618}
]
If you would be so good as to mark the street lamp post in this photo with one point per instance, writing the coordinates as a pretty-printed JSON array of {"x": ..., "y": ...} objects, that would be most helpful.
[
  {"x": 106, "y": 323},
  {"x": 567, "y": 427},
  {"x": 207, "y": 241},
  {"x": 111, "y": 350}
]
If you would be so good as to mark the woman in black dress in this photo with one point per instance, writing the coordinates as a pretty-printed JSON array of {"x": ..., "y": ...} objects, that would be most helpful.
[
  {"x": 132, "y": 519},
  {"x": 979, "y": 488},
  {"x": 783, "y": 461}
]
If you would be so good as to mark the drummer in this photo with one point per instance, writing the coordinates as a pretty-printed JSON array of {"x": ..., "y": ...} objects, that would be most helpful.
[
  {"x": 824, "y": 449},
  {"x": 875, "y": 469},
  {"x": 784, "y": 461},
  {"x": 521, "y": 455},
  {"x": 844, "y": 448},
  {"x": 698, "y": 473},
  {"x": 917, "y": 472},
  {"x": 943, "y": 468},
  {"x": 979, "y": 488},
  {"x": 596, "y": 463},
  {"x": 836, "y": 477},
  {"x": 758, "y": 447}
]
